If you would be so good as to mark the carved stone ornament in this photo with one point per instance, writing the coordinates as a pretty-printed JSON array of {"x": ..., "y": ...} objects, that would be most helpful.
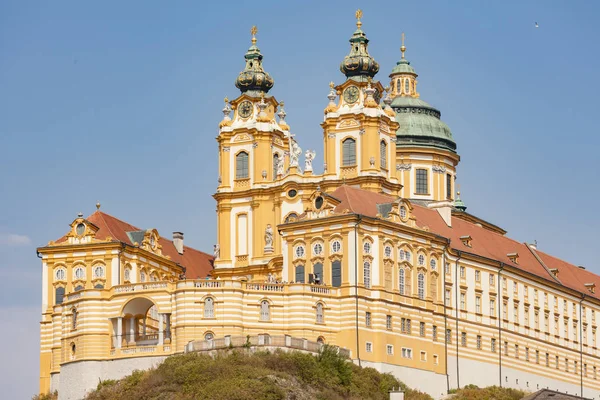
[
  {"x": 309, "y": 156},
  {"x": 226, "y": 148},
  {"x": 294, "y": 153},
  {"x": 216, "y": 251},
  {"x": 372, "y": 161},
  {"x": 331, "y": 135},
  {"x": 268, "y": 238},
  {"x": 361, "y": 132},
  {"x": 439, "y": 169},
  {"x": 403, "y": 167}
]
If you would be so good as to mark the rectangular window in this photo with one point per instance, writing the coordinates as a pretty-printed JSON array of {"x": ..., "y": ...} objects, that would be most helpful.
[
  {"x": 423, "y": 356},
  {"x": 421, "y": 181},
  {"x": 463, "y": 339},
  {"x": 408, "y": 328},
  {"x": 241, "y": 165},
  {"x": 368, "y": 318},
  {"x": 448, "y": 336},
  {"x": 434, "y": 333},
  {"x": 369, "y": 347},
  {"x": 505, "y": 310},
  {"x": 504, "y": 283},
  {"x": 406, "y": 353},
  {"x": 556, "y": 363},
  {"x": 436, "y": 361},
  {"x": 448, "y": 297},
  {"x": 515, "y": 287},
  {"x": 336, "y": 273},
  {"x": 516, "y": 313},
  {"x": 567, "y": 364},
  {"x": 478, "y": 304},
  {"x": 585, "y": 370},
  {"x": 536, "y": 320},
  {"x": 492, "y": 278},
  {"x": 449, "y": 186},
  {"x": 576, "y": 370},
  {"x": 478, "y": 342},
  {"x": 447, "y": 269},
  {"x": 506, "y": 348},
  {"x": 547, "y": 360},
  {"x": 537, "y": 356},
  {"x": 383, "y": 154},
  {"x": 463, "y": 303},
  {"x": 493, "y": 345},
  {"x": 526, "y": 353},
  {"x": 348, "y": 152},
  {"x": 516, "y": 351},
  {"x": 594, "y": 372},
  {"x": 477, "y": 276},
  {"x": 462, "y": 272},
  {"x": 390, "y": 350},
  {"x": 422, "y": 329},
  {"x": 492, "y": 308},
  {"x": 388, "y": 322}
]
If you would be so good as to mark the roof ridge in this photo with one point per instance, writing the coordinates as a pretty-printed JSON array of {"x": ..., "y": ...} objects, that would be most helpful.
[
  {"x": 345, "y": 187},
  {"x": 118, "y": 219},
  {"x": 542, "y": 263}
]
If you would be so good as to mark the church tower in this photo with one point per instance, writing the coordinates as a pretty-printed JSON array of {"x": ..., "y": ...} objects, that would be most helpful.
[
  {"x": 358, "y": 134},
  {"x": 426, "y": 157},
  {"x": 253, "y": 146}
]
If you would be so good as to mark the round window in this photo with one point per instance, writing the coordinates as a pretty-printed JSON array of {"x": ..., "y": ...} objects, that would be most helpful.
[
  {"x": 292, "y": 193},
  {"x": 60, "y": 274},
  {"x": 80, "y": 229},
  {"x": 336, "y": 246},
  {"x": 98, "y": 272},
  {"x": 79, "y": 273},
  {"x": 319, "y": 202},
  {"x": 318, "y": 249},
  {"x": 299, "y": 251}
]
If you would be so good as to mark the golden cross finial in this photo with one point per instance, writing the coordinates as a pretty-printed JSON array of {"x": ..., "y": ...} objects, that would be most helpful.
[
  {"x": 281, "y": 104},
  {"x": 358, "y": 16},
  {"x": 403, "y": 47},
  {"x": 253, "y": 32},
  {"x": 226, "y": 100},
  {"x": 331, "y": 84}
]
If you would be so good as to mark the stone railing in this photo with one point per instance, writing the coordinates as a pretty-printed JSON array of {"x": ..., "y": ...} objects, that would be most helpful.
[
  {"x": 138, "y": 287},
  {"x": 265, "y": 287},
  {"x": 209, "y": 284},
  {"x": 260, "y": 341}
]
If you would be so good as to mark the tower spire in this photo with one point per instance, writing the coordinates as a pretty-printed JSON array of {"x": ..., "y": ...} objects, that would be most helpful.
[
  {"x": 403, "y": 47},
  {"x": 253, "y": 78},
  {"x": 359, "y": 65},
  {"x": 358, "y": 16}
]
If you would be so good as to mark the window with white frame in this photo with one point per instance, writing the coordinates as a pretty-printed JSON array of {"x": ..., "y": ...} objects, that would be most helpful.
[
  {"x": 127, "y": 274},
  {"x": 209, "y": 336},
  {"x": 367, "y": 247},
  {"x": 317, "y": 249},
  {"x": 348, "y": 152},
  {"x": 299, "y": 251},
  {"x": 369, "y": 347},
  {"x": 478, "y": 304},
  {"x": 390, "y": 350},
  {"x": 79, "y": 273},
  {"x": 387, "y": 251},
  {"x": 383, "y": 154},
  {"x": 401, "y": 281},
  {"x": 478, "y": 342},
  {"x": 241, "y": 165},
  {"x": 492, "y": 307},
  {"x": 477, "y": 276},
  {"x": 433, "y": 264},
  {"x": 368, "y": 318},
  {"x": 388, "y": 322},
  {"x": 74, "y": 318},
  {"x": 209, "y": 308},
  {"x": 60, "y": 274},
  {"x": 403, "y": 212},
  {"x": 319, "y": 311},
  {"x": 406, "y": 353},
  {"x": 463, "y": 272},
  {"x": 421, "y": 259},
  {"x": 422, "y": 329},
  {"x": 448, "y": 298},
  {"x": 98, "y": 271},
  {"x": 463, "y": 301},
  {"x": 265, "y": 311},
  {"x": 492, "y": 279},
  {"x": 367, "y": 274},
  {"x": 421, "y": 286},
  {"x": 142, "y": 276},
  {"x": 434, "y": 333},
  {"x": 336, "y": 246},
  {"x": 463, "y": 339}
]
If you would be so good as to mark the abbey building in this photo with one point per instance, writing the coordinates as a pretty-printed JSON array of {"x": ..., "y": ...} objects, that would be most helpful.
[{"x": 376, "y": 255}]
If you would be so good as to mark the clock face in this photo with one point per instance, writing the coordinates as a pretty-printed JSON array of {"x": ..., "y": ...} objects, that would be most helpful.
[
  {"x": 351, "y": 94},
  {"x": 245, "y": 109}
]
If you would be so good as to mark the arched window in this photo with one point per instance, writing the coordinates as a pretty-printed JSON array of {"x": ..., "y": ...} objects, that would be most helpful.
[
  {"x": 421, "y": 286},
  {"x": 265, "y": 312},
  {"x": 299, "y": 273},
  {"x": 336, "y": 246},
  {"x": 275, "y": 165},
  {"x": 320, "y": 318},
  {"x": 79, "y": 273},
  {"x": 321, "y": 340},
  {"x": 318, "y": 272},
  {"x": 290, "y": 217},
  {"x": 367, "y": 274},
  {"x": 433, "y": 264},
  {"x": 398, "y": 85},
  {"x": 74, "y": 318},
  {"x": 348, "y": 152},
  {"x": 336, "y": 273},
  {"x": 367, "y": 248},
  {"x": 60, "y": 274},
  {"x": 383, "y": 154},
  {"x": 209, "y": 308},
  {"x": 241, "y": 165},
  {"x": 401, "y": 281},
  {"x": 421, "y": 259},
  {"x": 59, "y": 294},
  {"x": 407, "y": 86},
  {"x": 99, "y": 272}
]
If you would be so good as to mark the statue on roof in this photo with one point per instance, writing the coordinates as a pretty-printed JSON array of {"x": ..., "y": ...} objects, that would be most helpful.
[
  {"x": 294, "y": 153},
  {"x": 309, "y": 156}
]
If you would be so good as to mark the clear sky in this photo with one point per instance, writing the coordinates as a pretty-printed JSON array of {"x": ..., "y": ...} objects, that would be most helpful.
[{"x": 120, "y": 102}]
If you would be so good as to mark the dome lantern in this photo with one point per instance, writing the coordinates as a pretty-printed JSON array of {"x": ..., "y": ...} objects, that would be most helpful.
[{"x": 359, "y": 64}]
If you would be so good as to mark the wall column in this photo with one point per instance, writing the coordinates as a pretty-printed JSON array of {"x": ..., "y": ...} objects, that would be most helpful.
[
  {"x": 168, "y": 328},
  {"x": 119, "y": 332},
  {"x": 160, "y": 330},
  {"x": 131, "y": 330}
]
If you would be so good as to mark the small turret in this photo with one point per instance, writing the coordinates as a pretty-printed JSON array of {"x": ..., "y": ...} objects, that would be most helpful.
[
  {"x": 359, "y": 65},
  {"x": 254, "y": 78}
]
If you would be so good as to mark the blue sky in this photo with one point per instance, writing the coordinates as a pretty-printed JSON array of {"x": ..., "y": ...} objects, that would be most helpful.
[{"x": 120, "y": 102}]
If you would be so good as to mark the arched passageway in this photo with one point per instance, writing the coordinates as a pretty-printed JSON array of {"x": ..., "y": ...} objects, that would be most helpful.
[{"x": 140, "y": 324}]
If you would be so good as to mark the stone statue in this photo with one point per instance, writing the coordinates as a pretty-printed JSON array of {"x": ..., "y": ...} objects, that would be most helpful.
[
  {"x": 309, "y": 156},
  {"x": 280, "y": 166},
  {"x": 216, "y": 251},
  {"x": 269, "y": 237},
  {"x": 294, "y": 153}
]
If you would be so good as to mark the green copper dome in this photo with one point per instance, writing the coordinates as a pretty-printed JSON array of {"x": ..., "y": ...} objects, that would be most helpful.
[
  {"x": 420, "y": 124},
  {"x": 359, "y": 64},
  {"x": 403, "y": 67},
  {"x": 254, "y": 77}
]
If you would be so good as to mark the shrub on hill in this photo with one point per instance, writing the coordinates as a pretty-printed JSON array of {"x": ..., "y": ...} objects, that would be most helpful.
[
  {"x": 472, "y": 392},
  {"x": 263, "y": 375}
]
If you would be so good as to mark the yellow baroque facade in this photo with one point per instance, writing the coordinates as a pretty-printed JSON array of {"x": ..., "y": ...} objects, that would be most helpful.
[{"x": 376, "y": 255}]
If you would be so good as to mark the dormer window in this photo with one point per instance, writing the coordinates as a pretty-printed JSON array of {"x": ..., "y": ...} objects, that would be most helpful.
[
  {"x": 466, "y": 240},
  {"x": 554, "y": 271},
  {"x": 514, "y": 257},
  {"x": 80, "y": 229},
  {"x": 403, "y": 212},
  {"x": 591, "y": 287},
  {"x": 319, "y": 202}
]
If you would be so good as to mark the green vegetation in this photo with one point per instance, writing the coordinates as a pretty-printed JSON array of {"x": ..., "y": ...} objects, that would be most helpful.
[
  {"x": 49, "y": 396},
  {"x": 242, "y": 376},
  {"x": 472, "y": 392}
]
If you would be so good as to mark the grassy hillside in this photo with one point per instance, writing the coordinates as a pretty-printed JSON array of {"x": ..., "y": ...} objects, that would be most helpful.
[
  {"x": 240, "y": 376},
  {"x": 472, "y": 392}
]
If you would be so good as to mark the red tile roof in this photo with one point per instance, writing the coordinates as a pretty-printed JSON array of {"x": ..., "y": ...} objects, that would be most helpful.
[
  {"x": 197, "y": 263},
  {"x": 485, "y": 243}
]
